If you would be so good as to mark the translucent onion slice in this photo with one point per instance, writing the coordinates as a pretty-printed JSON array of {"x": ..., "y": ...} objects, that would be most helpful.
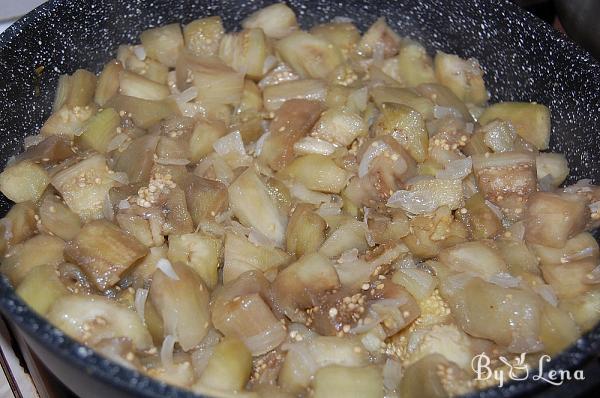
[{"x": 167, "y": 268}]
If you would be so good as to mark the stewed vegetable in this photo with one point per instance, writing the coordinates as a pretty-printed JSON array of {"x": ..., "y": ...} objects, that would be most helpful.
[{"x": 276, "y": 212}]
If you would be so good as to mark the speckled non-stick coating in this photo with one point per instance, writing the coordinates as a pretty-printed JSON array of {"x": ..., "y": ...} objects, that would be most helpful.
[{"x": 523, "y": 58}]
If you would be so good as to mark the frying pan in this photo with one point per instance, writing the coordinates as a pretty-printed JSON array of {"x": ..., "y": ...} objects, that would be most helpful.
[{"x": 524, "y": 60}]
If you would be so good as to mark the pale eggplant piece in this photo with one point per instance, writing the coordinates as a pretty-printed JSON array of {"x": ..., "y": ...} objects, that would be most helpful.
[
  {"x": 245, "y": 51},
  {"x": 558, "y": 330},
  {"x": 137, "y": 159},
  {"x": 200, "y": 252},
  {"x": 251, "y": 204},
  {"x": 414, "y": 65},
  {"x": 144, "y": 113},
  {"x": 553, "y": 168},
  {"x": 443, "y": 96},
  {"x": 519, "y": 257},
  {"x": 478, "y": 258},
  {"x": 388, "y": 227},
  {"x": 298, "y": 286},
  {"x": 137, "y": 86},
  {"x": 316, "y": 172},
  {"x": 84, "y": 186},
  {"x": 309, "y": 55},
  {"x": 530, "y": 120},
  {"x": 138, "y": 227},
  {"x": 553, "y": 218},
  {"x": 348, "y": 235},
  {"x": 203, "y": 36},
  {"x": 583, "y": 309},
  {"x": 57, "y": 218},
  {"x": 339, "y": 126},
  {"x": 82, "y": 85},
  {"x": 205, "y": 198},
  {"x": 108, "y": 82},
  {"x": 163, "y": 43},
  {"x": 129, "y": 57},
  {"x": 582, "y": 246},
  {"x": 41, "y": 287},
  {"x": 572, "y": 279},
  {"x": 204, "y": 135},
  {"x": 182, "y": 300},
  {"x": 99, "y": 130},
  {"x": 379, "y": 38},
  {"x": 463, "y": 77},
  {"x": 104, "y": 252},
  {"x": 506, "y": 180},
  {"x": 228, "y": 369},
  {"x": 403, "y": 96},
  {"x": 23, "y": 257},
  {"x": 305, "y": 231},
  {"x": 91, "y": 319},
  {"x": 52, "y": 149},
  {"x": 24, "y": 181},
  {"x": 276, "y": 20},
  {"x": 216, "y": 82},
  {"x": 476, "y": 145},
  {"x": 173, "y": 206},
  {"x": 517, "y": 313},
  {"x": 291, "y": 122},
  {"x": 249, "y": 319},
  {"x": 426, "y": 377},
  {"x": 241, "y": 255},
  {"x": 479, "y": 218},
  {"x": 274, "y": 96},
  {"x": 68, "y": 122},
  {"x": 345, "y": 382},
  {"x": 343, "y": 35},
  {"x": 406, "y": 126},
  {"x": 19, "y": 223}
]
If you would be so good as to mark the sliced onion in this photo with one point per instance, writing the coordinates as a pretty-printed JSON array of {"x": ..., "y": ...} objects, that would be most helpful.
[
  {"x": 456, "y": 169},
  {"x": 230, "y": 143},
  {"x": 187, "y": 95},
  {"x": 375, "y": 149},
  {"x": 140, "y": 52},
  {"x": 270, "y": 62},
  {"x": 259, "y": 239},
  {"x": 440, "y": 112},
  {"x": 165, "y": 266},
  {"x": 191, "y": 109},
  {"x": 427, "y": 196},
  {"x": 166, "y": 351},
  {"x": 304, "y": 194},
  {"x": 172, "y": 161},
  {"x": 312, "y": 145},
  {"x": 547, "y": 293},
  {"x": 504, "y": 279},
  {"x": 140, "y": 303},
  {"x": 260, "y": 143},
  {"x": 328, "y": 210},
  {"x": 495, "y": 209}
]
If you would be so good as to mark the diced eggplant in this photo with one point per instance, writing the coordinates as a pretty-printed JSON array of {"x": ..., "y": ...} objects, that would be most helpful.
[
  {"x": 91, "y": 319},
  {"x": 477, "y": 258},
  {"x": 100, "y": 129},
  {"x": 298, "y": 285},
  {"x": 144, "y": 113},
  {"x": 530, "y": 120},
  {"x": 463, "y": 77},
  {"x": 415, "y": 66},
  {"x": 251, "y": 204},
  {"x": 309, "y": 55},
  {"x": 58, "y": 219},
  {"x": 245, "y": 51},
  {"x": 41, "y": 287},
  {"x": 585, "y": 309},
  {"x": 348, "y": 235},
  {"x": 479, "y": 218},
  {"x": 443, "y": 96},
  {"x": 163, "y": 43},
  {"x": 205, "y": 133},
  {"x": 276, "y": 20},
  {"x": 506, "y": 180},
  {"x": 182, "y": 300},
  {"x": 406, "y": 126},
  {"x": 343, "y": 35},
  {"x": 552, "y": 168},
  {"x": 108, "y": 82},
  {"x": 24, "y": 181},
  {"x": 20, "y": 223},
  {"x": 228, "y": 369},
  {"x": 52, "y": 149},
  {"x": 379, "y": 38},
  {"x": 292, "y": 122},
  {"x": 23, "y": 257},
  {"x": 241, "y": 255},
  {"x": 216, "y": 82},
  {"x": 316, "y": 172},
  {"x": 137, "y": 159},
  {"x": 553, "y": 218},
  {"x": 558, "y": 330},
  {"x": 339, "y": 126},
  {"x": 402, "y": 96},
  {"x": 84, "y": 186},
  {"x": 307, "y": 89},
  {"x": 570, "y": 279},
  {"x": 134, "y": 85},
  {"x": 203, "y": 36},
  {"x": 82, "y": 85},
  {"x": 104, "y": 252},
  {"x": 344, "y": 382},
  {"x": 199, "y": 252},
  {"x": 205, "y": 198},
  {"x": 582, "y": 246},
  {"x": 305, "y": 231}
]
